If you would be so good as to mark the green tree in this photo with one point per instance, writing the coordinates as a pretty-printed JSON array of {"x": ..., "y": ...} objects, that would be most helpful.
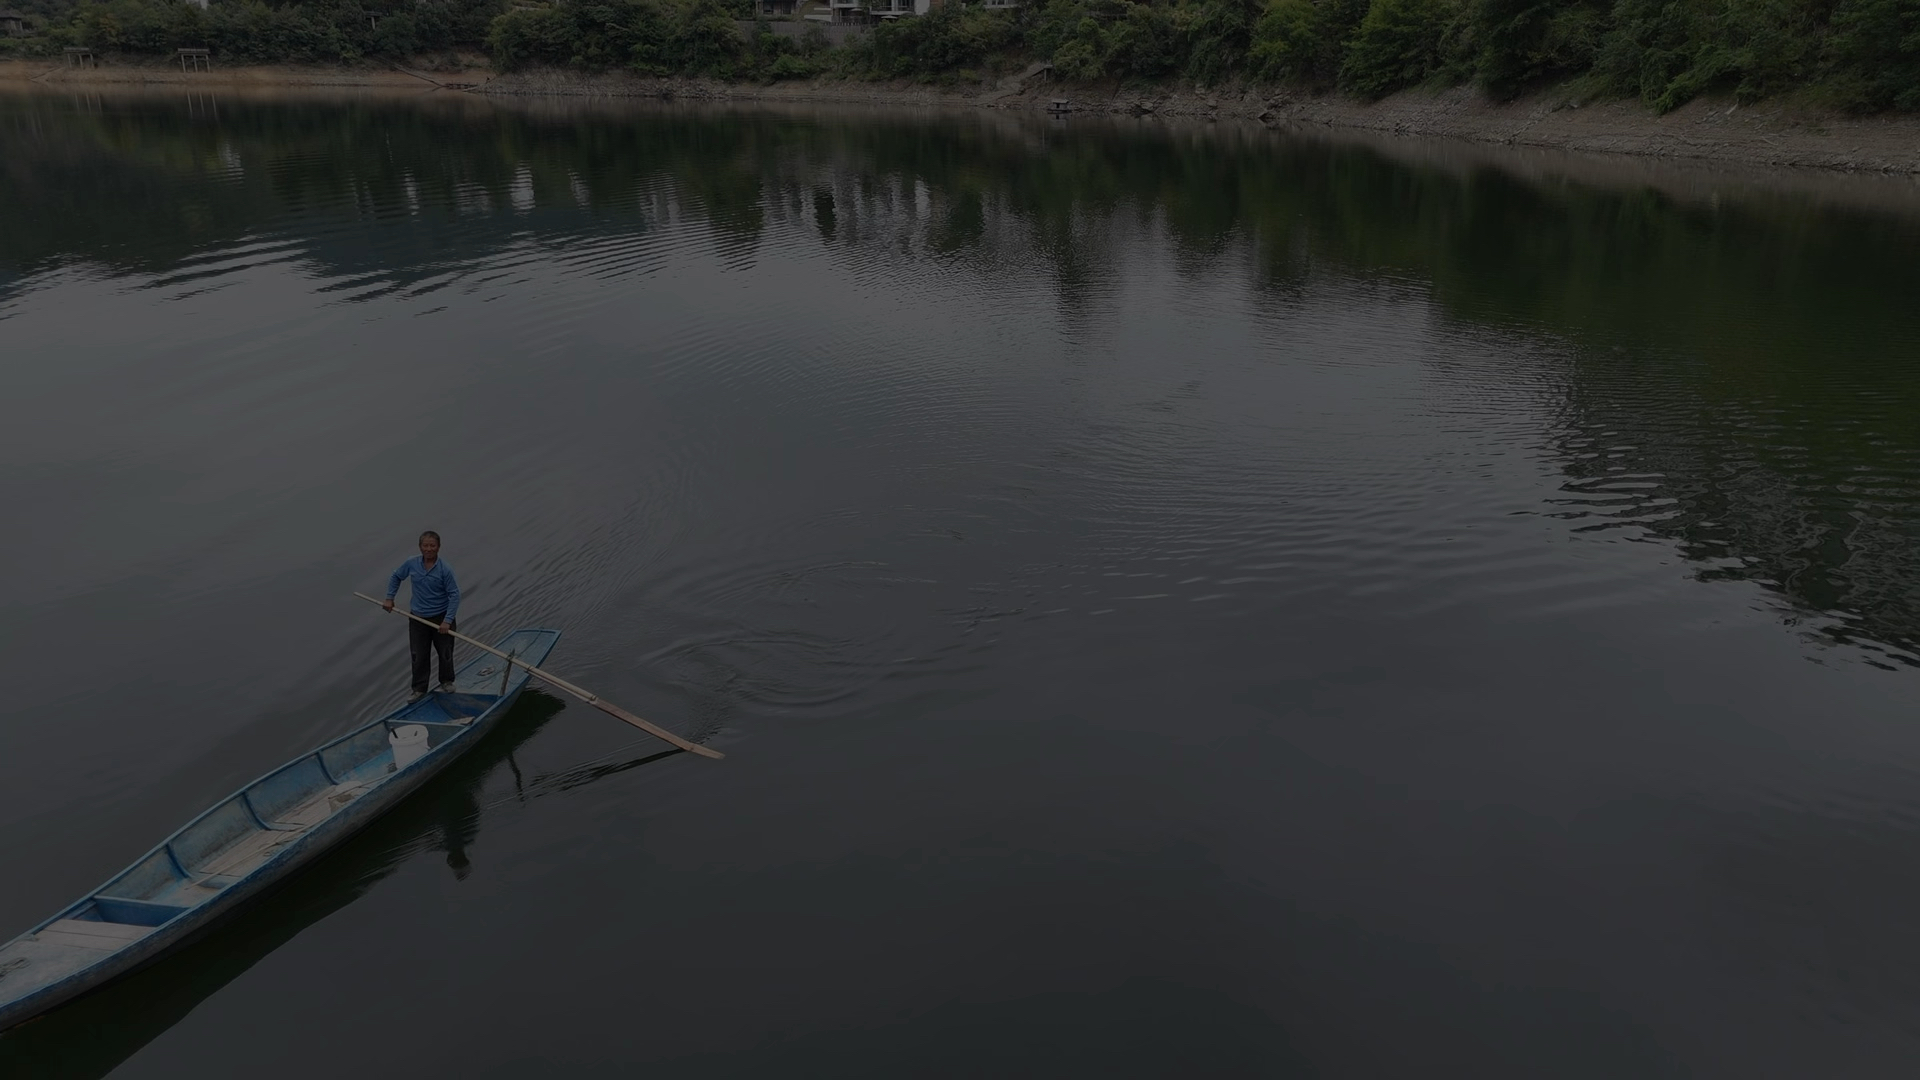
[
  {"x": 1304, "y": 40},
  {"x": 1518, "y": 44},
  {"x": 1872, "y": 59},
  {"x": 1399, "y": 44}
]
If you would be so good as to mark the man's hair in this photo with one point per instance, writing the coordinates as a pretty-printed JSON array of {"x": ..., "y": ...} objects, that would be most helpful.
[{"x": 430, "y": 532}]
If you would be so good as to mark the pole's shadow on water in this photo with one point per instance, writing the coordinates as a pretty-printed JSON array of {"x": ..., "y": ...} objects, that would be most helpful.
[{"x": 92, "y": 1036}]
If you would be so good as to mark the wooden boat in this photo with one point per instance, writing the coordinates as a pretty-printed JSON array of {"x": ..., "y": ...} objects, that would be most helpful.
[{"x": 255, "y": 838}]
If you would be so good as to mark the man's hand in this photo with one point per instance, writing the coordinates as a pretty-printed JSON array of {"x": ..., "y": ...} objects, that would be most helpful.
[
  {"x": 446, "y": 627},
  {"x": 387, "y": 604}
]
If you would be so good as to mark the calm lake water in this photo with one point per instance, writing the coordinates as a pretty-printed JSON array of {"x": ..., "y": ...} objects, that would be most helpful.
[{"x": 1176, "y": 602}]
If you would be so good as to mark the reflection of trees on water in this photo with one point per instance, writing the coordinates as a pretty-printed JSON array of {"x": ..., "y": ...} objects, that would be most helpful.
[
  {"x": 1739, "y": 378},
  {"x": 1741, "y": 382},
  {"x": 1809, "y": 486}
]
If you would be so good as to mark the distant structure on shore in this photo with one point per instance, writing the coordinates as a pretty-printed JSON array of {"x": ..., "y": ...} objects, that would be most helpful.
[
  {"x": 13, "y": 24},
  {"x": 858, "y": 12}
]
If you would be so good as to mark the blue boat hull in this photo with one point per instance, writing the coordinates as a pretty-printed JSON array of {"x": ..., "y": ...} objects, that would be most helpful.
[{"x": 255, "y": 839}]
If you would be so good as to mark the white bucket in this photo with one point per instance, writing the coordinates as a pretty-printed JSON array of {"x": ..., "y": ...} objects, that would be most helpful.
[{"x": 409, "y": 744}]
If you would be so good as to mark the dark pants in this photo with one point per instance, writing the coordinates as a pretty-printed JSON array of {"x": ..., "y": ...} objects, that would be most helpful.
[{"x": 424, "y": 641}]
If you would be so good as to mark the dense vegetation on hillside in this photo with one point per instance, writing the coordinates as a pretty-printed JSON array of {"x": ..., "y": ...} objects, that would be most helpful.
[
  {"x": 250, "y": 30},
  {"x": 1856, "y": 54}
]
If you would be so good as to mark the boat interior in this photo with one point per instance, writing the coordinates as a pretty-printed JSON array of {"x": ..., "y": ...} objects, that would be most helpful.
[
  {"x": 239, "y": 835},
  {"x": 234, "y": 838},
  {"x": 230, "y": 840}
]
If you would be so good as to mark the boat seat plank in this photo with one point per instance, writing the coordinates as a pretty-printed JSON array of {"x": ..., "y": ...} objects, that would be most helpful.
[
  {"x": 92, "y": 935},
  {"x": 45, "y": 963}
]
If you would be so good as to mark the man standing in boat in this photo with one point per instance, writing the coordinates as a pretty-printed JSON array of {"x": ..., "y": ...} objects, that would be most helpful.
[{"x": 436, "y": 596}]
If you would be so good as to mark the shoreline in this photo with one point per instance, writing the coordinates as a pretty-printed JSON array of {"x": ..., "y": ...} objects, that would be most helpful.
[{"x": 1772, "y": 135}]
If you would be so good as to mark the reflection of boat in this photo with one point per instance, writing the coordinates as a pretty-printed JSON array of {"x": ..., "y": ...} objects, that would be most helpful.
[{"x": 253, "y": 839}]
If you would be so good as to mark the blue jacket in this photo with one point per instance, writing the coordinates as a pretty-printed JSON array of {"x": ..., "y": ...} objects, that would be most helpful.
[{"x": 435, "y": 594}]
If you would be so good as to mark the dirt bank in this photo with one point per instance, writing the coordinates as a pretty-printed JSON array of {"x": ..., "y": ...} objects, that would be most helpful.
[{"x": 1766, "y": 135}]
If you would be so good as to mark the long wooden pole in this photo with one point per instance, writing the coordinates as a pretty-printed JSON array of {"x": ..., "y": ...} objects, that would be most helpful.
[{"x": 604, "y": 706}]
